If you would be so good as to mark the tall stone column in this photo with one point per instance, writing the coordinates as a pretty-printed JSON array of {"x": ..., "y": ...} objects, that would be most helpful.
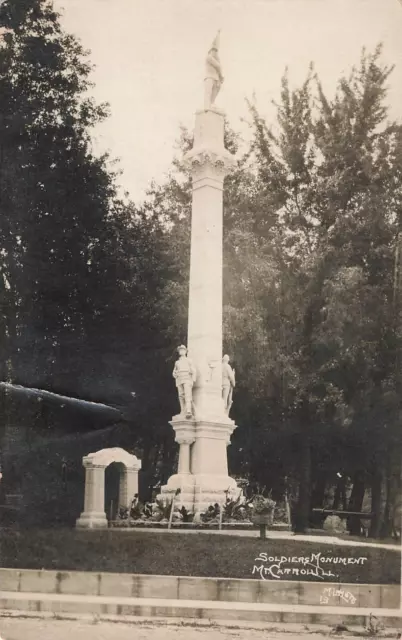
[
  {"x": 131, "y": 478},
  {"x": 124, "y": 499},
  {"x": 184, "y": 456},
  {"x": 183, "y": 479},
  {"x": 209, "y": 162},
  {"x": 211, "y": 428}
]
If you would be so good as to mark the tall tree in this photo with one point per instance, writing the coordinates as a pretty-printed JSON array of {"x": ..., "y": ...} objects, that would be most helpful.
[
  {"x": 57, "y": 199},
  {"x": 335, "y": 172}
]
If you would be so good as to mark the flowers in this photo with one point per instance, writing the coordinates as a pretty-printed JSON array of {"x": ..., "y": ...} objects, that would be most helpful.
[{"x": 262, "y": 506}]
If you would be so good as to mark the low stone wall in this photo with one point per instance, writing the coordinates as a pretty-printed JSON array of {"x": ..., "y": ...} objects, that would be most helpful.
[{"x": 188, "y": 588}]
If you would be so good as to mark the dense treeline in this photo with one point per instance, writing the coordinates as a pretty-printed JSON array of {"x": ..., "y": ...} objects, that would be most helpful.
[{"x": 93, "y": 291}]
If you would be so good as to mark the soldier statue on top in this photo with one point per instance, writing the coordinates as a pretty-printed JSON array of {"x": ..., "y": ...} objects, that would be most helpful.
[
  {"x": 213, "y": 74},
  {"x": 185, "y": 375}
]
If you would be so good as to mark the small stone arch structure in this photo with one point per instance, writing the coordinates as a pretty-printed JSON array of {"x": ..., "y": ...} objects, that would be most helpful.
[{"x": 94, "y": 515}]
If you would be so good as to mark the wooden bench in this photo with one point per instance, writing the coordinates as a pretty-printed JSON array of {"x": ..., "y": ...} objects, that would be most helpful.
[
  {"x": 344, "y": 514},
  {"x": 347, "y": 514}
]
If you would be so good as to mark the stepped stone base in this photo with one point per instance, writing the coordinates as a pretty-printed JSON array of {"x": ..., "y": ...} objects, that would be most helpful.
[
  {"x": 25, "y": 582},
  {"x": 202, "y": 475},
  {"x": 198, "y": 492},
  {"x": 123, "y": 608},
  {"x": 92, "y": 520}
]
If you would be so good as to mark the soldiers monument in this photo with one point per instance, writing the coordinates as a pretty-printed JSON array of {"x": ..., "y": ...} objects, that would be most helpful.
[{"x": 203, "y": 378}]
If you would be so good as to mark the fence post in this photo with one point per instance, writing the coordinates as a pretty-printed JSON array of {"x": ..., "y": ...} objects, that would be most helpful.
[{"x": 220, "y": 516}]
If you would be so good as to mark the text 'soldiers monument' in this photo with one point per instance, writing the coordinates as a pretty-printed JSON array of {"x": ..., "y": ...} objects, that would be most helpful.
[{"x": 203, "y": 427}]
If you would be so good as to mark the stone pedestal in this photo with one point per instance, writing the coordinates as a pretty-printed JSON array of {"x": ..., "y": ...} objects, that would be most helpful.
[
  {"x": 203, "y": 470},
  {"x": 202, "y": 474}
]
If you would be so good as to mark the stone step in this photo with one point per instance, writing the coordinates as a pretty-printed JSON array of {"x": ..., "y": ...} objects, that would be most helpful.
[
  {"x": 12, "y": 603},
  {"x": 257, "y": 591}
]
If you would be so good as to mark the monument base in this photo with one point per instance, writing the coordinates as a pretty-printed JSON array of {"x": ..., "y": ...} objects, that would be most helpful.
[
  {"x": 198, "y": 492},
  {"x": 92, "y": 520},
  {"x": 202, "y": 476}
]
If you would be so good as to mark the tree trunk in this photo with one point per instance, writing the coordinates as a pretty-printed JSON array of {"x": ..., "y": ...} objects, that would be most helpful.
[
  {"x": 302, "y": 516},
  {"x": 167, "y": 460},
  {"x": 337, "y": 497},
  {"x": 376, "y": 498},
  {"x": 344, "y": 498},
  {"x": 318, "y": 497},
  {"x": 356, "y": 502},
  {"x": 145, "y": 478},
  {"x": 303, "y": 507},
  {"x": 386, "y": 526},
  {"x": 340, "y": 495},
  {"x": 310, "y": 321}
]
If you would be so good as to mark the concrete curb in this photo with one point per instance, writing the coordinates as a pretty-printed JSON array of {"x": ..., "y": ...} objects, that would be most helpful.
[
  {"x": 118, "y": 609},
  {"x": 257, "y": 591}
]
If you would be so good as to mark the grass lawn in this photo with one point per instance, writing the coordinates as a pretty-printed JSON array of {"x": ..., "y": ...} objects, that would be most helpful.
[{"x": 184, "y": 555}]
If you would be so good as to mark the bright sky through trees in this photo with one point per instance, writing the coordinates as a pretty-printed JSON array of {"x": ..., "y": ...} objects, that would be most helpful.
[{"x": 150, "y": 55}]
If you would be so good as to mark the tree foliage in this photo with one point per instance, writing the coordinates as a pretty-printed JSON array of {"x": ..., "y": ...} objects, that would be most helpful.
[
  {"x": 331, "y": 174},
  {"x": 56, "y": 198}
]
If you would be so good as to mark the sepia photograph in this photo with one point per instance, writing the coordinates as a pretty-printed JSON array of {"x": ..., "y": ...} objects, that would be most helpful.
[{"x": 200, "y": 319}]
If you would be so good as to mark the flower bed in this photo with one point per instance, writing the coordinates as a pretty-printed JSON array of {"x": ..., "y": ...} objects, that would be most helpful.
[
  {"x": 236, "y": 512},
  {"x": 228, "y": 526}
]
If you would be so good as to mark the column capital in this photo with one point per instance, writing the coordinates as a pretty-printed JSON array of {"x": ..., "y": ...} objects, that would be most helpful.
[
  {"x": 89, "y": 464},
  {"x": 134, "y": 469},
  {"x": 207, "y": 162},
  {"x": 185, "y": 431},
  {"x": 184, "y": 440}
]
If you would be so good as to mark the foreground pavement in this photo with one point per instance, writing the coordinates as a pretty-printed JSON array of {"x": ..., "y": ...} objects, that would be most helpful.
[{"x": 42, "y": 629}]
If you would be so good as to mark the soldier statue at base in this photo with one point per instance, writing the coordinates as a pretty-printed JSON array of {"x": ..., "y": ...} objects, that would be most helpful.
[
  {"x": 228, "y": 384},
  {"x": 185, "y": 375}
]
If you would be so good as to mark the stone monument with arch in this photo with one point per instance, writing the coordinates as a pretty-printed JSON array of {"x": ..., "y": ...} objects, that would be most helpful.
[{"x": 94, "y": 516}]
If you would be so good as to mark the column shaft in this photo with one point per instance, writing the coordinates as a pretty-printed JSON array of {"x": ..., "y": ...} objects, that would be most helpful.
[
  {"x": 132, "y": 484},
  {"x": 98, "y": 489},
  {"x": 208, "y": 159},
  {"x": 123, "y": 493},
  {"x": 184, "y": 458}
]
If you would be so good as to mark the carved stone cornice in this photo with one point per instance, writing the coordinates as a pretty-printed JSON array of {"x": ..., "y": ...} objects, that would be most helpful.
[
  {"x": 88, "y": 464},
  {"x": 214, "y": 431},
  {"x": 105, "y": 457},
  {"x": 185, "y": 431},
  {"x": 204, "y": 161},
  {"x": 183, "y": 439}
]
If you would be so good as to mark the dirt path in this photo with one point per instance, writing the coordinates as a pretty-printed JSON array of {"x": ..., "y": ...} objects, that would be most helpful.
[{"x": 36, "y": 629}]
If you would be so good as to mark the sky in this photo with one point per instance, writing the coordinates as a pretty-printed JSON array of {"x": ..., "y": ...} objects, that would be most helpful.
[{"x": 149, "y": 58}]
